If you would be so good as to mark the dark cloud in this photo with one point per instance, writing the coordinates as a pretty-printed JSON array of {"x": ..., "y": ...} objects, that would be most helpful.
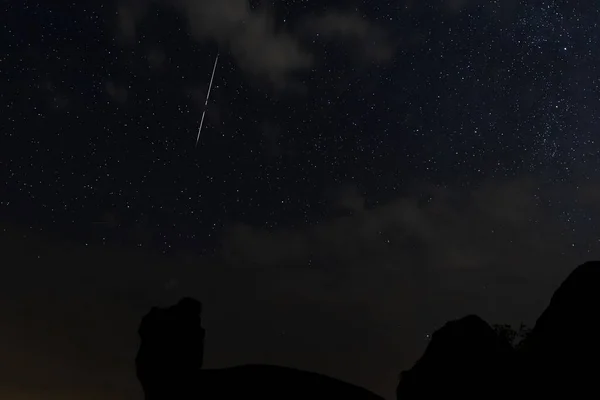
[
  {"x": 156, "y": 57},
  {"x": 348, "y": 198},
  {"x": 251, "y": 35},
  {"x": 358, "y": 33},
  {"x": 117, "y": 92},
  {"x": 361, "y": 289},
  {"x": 421, "y": 259},
  {"x": 500, "y": 226},
  {"x": 57, "y": 99},
  {"x": 129, "y": 14},
  {"x": 80, "y": 315},
  {"x": 499, "y": 10}
]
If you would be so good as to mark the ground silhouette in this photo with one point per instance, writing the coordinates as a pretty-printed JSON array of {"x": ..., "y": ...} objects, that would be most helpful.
[
  {"x": 466, "y": 358},
  {"x": 558, "y": 357},
  {"x": 169, "y": 366},
  {"x": 171, "y": 350},
  {"x": 563, "y": 349}
]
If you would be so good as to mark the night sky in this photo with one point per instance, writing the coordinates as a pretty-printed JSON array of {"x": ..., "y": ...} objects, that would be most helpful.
[{"x": 366, "y": 171}]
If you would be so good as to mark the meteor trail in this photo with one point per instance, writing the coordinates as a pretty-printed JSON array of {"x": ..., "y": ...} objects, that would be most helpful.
[{"x": 207, "y": 96}]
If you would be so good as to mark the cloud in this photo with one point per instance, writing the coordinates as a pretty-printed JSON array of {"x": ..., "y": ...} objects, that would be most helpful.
[
  {"x": 358, "y": 33},
  {"x": 156, "y": 57},
  {"x": 116, "y": 92},
  {"x": 129, "y": 14},
  {"x": 252, "y": 37},
  {"x": 357, "y": 291},
  {"x": 80, "y": 317},
  {"x": 57, "y": 100},
  {"x": 409, "y": 265},
  {"x": 497, "y": 10},
  {"x": 348, "y": 198},
  {"x": 457, "y": 5},
  {"x": 500, "y": 226}
]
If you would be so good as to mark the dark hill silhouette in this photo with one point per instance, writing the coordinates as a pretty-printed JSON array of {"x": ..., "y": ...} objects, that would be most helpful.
[
  {"x": 571, "y": 315},
  {"x": 564, "y": 345},
  {"x": 465, "y": 357},
  {"x": 171, "y": 349},
  {"x": 169, "y": 365},
  {"x": 557, "y": 358},
  {"x": 275, "y": 382}
]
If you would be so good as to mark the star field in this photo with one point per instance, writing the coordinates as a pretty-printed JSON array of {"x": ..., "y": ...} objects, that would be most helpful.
[
  {"x": 96, "y": 128},
  {"x": 392, "y": 163}
]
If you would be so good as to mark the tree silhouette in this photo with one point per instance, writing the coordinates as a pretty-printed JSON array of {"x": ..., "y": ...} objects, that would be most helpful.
[{"x": 516, "y": 338}]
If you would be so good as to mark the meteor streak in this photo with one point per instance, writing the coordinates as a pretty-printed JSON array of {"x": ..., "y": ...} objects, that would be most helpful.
[{"x": 207, "y": 97}]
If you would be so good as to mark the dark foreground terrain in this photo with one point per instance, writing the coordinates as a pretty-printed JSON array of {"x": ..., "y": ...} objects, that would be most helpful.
[
  {"x": 559, "y": 357},
  {"x": 169, "y": 366},
  {"x": 466, "y": 358}
]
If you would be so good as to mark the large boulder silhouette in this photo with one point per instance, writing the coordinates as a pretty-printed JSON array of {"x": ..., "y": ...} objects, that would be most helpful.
[
  {"x": 171, "y": 349},
  {"x": 564, "y": 345},
  {"x": 465, "y": 358},
  {"x": 170, "y": 359}
]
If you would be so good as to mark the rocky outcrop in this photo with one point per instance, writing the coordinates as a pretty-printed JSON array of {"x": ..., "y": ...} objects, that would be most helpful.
[
  {"x": 564, "y": 346},
  {"x": 170, "y": 357},
  {"x": 171, "y": 350},
  {"x": 464, "y": 359}
]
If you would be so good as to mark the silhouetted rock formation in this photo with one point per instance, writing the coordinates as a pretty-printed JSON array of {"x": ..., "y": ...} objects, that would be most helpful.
[
  {"x": 170, "y": 359},
  {"x": 564, "y": 345},
  {"x": 466, "y": 358},
  {"x": 171, "y": 350}
]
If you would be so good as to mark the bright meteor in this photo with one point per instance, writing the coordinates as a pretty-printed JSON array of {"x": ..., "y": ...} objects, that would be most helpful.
[{"x": 207, "y": 97}]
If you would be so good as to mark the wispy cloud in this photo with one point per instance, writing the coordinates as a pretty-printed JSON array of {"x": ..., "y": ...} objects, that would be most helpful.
[
  {"x": 251, "y": 35},
  {"x": 116, "y": 92},
  {"x": 359, "y": 34},
  {"x": 498, "y": 226}
]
